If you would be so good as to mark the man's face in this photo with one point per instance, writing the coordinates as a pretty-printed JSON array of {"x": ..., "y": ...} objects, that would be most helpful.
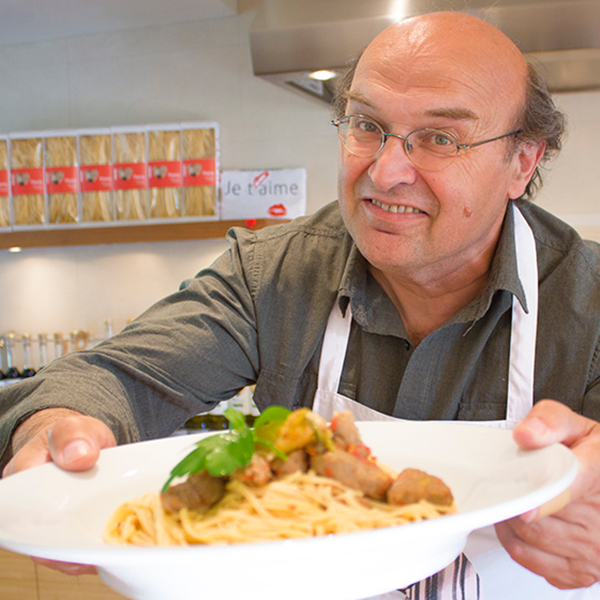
[{"x": 452, "y": 216}]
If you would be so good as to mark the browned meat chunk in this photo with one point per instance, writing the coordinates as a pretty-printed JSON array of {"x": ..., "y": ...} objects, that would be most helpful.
[
  {"x": 257, "y": 472},
  {"x": 413, "y": 485},
  {"x": 358, "y": 474},
  {"x": 345, "y": 432},
  {"x": 296, "y": 461},
  {"x": 199, "y": 492}
]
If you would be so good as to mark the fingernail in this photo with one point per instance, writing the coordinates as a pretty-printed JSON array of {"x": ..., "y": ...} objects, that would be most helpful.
[
  {"x": 75, "y": 450},
  {"x": 530, "y": 516}
]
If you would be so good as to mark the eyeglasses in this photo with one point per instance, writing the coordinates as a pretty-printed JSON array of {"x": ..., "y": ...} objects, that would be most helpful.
[{"x": 428, "y": 149}]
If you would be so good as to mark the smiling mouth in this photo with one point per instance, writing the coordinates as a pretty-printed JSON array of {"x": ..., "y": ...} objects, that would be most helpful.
[{"x": 395, "y": 208}]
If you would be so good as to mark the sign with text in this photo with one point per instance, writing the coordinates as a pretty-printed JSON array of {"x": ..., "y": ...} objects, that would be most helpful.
[{"x": 279, "y": 194}]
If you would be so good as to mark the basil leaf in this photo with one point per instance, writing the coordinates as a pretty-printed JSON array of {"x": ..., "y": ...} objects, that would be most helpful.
[
  {"x": 272, "y": 414},
  {"x": 223, "y": 453}
]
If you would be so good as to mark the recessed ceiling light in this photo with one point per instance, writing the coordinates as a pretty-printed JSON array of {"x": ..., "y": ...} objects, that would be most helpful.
[{"x": 323, "y": 75}]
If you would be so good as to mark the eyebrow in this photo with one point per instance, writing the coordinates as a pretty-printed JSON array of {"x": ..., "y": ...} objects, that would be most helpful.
[
  {"x": 453, "y": 113},
  {"x": 458, "y": 114},
  {"x": 357, "y": 97}
]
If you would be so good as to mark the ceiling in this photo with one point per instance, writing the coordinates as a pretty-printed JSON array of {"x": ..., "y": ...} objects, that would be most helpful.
[
  {"x": 27, "y": 21},
  {"x": 289, "y": 39}
]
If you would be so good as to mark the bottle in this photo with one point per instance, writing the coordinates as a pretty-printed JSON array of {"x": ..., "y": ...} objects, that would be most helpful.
[
  {"x": 28, "y": 370},
  {"x": 2, "y": 346},
  {"x": 108, "y": 328},
  {"x": 43, "y": 346},
  {"x": 61, "y": 346},
  {"x": 213, "y": 420},
  {"x": 11, "y": 371},
  {"x": 254, "y": 412},
  {"x": 243, "y": 402}
]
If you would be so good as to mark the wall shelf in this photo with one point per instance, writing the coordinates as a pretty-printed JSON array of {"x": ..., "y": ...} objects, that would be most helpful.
[{"x": 126, "y": 234}]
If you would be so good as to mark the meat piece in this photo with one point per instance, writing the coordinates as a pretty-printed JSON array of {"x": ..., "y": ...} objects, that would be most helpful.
[
  {"x": 199, "y": 492},
  {"x": 257, "y": 472},
  {"x": 345, "y": 432},
  {"x": 413, "y": 485},
  {"x": 358, "y": 474},
  {"x": 296, "y": 461}
]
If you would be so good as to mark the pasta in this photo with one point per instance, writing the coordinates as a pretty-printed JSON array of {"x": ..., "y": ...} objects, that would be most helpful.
[
  {"x": 301, "y": 505},
  {"x": 328, "y": 484}
]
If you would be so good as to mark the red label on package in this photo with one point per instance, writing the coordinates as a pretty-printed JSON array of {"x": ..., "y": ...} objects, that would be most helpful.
[
  {"x": 199, "y": 171},
  {"x": 164, "y": 173},
  {"x": 4, "y": 182},
  {"x": 95, "y": 178},
  {"x": 61, "y": 180},
  {"x": 27, "y": 182},
  {"x": 130, "y": 176}
]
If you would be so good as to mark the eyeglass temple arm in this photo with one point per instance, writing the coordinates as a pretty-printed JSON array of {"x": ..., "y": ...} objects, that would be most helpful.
[{"x": 468, "y": 146}]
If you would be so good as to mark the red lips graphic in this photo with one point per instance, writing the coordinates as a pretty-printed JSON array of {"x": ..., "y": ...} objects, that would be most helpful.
[{"x": 277, "y": 210}]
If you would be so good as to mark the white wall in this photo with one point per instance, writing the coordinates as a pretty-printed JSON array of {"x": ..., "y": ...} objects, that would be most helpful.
[
  {"x": 188, "y": 72},
  {"x": 185, "y": 72},
  {"x": 573, "y": 183}
]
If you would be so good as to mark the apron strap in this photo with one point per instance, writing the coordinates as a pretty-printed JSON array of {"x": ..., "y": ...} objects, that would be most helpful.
[
  {"x": 333, "y": 353},
  {"x": 524, "y": 325}
]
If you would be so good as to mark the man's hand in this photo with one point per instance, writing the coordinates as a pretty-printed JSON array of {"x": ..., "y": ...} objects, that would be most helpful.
[
  {"x": 564, "y": 547},
  {"x": 71, "y": 440}
]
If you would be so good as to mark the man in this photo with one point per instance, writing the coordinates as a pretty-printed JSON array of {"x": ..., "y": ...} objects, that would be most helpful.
[{"x": 427, "y": 273}]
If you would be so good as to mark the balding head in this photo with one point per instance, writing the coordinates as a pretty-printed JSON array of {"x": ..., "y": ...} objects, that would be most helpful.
[{"x": 448, "y": 49}]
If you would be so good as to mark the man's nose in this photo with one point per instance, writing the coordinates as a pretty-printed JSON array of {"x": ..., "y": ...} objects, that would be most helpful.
[{"x": 392, "y": 166}]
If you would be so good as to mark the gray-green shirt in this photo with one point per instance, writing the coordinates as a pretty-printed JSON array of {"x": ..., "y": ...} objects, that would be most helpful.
[{"x": 258, "y": 314}]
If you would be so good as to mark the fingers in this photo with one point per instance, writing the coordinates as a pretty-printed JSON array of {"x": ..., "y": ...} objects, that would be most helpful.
[
  {"x": 66, "y": 568},
  {"x": 569, "y": 563},
  {"x": 551, "y": 422},
  {"x": 33, "y": 454},
  {"x": 72, "y": 442},
  {"x": 564, "y": 547},
  {"x": 75, "y": 442}
]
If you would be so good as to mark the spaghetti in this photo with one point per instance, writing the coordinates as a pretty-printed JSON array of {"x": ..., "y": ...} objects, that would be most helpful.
[{"x": 300, "y": 505}]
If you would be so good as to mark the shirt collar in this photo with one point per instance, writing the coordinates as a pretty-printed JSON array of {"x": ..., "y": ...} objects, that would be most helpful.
[{"x": 375, "y": 312}]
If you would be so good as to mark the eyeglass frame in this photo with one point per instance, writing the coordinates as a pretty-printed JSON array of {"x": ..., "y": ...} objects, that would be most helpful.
[{"x": 385, "y": 135}]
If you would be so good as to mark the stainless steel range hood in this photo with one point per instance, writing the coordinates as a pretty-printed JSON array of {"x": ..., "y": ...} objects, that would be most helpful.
[{"x": 290, "y": 39}]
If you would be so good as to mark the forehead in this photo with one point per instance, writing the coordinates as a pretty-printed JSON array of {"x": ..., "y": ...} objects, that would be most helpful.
[{"x": 419, "y": 73}]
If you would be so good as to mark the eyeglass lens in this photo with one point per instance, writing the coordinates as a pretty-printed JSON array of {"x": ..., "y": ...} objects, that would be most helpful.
[{"x": 427, "y": 148}]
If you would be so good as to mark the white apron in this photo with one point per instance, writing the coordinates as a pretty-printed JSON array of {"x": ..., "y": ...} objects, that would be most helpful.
[{"x": 500, "y": 576}]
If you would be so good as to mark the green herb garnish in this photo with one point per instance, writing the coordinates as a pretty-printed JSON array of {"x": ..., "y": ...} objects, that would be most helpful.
[{"x": 223, "y": 453}]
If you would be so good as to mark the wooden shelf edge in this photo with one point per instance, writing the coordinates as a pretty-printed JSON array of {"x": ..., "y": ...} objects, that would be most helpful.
[{"x": 127, "y": 234}]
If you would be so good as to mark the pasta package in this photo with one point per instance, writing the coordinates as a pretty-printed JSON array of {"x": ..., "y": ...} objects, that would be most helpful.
[
  {"x": 95, "y": 175},
  {"x": 164, "y": 173},
  {"x": 130, "y": 178},
  {"x": 62, "y": 184},
  {"x": 4, "y": 184},
  {"x": 27, "y": 179},
  {"x": 200, "y": 146}
]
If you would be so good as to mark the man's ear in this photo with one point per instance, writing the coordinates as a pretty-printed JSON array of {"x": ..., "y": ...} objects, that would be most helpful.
[{"x": 525, "y": 160}]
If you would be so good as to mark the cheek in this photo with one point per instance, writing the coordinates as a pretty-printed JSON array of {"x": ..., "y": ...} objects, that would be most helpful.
[{"x": 350, "y": 169}]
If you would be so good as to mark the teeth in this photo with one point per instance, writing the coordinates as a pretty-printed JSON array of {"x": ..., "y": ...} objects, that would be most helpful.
[{"x": 394, "y": 208}]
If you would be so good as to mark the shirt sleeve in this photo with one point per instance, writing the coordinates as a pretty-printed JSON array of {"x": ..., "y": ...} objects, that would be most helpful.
[{"x": 181, "y": 357}]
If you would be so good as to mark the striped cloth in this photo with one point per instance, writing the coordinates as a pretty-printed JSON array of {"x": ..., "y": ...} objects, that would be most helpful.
[{"x": 458, "y": 581}]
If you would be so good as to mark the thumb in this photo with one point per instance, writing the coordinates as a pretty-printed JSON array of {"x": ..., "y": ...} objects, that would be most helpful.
[
  {"x": 75, "y": 442},
  {"x": 550, "y": 422}
]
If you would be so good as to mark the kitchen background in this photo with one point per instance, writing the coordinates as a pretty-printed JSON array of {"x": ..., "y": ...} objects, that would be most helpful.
[{"x": 197, "y": 70}]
